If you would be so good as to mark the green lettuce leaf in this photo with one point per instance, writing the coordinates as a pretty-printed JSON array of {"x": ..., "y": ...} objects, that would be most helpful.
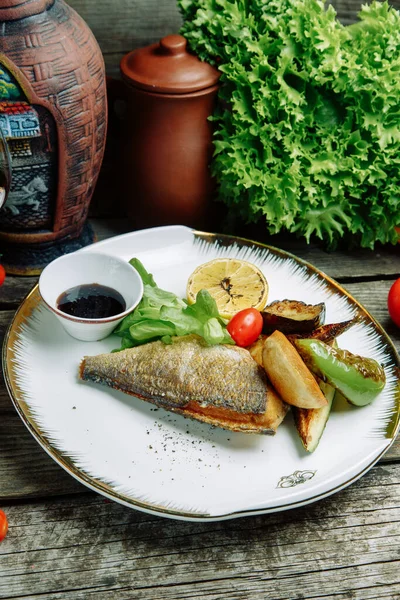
[{"x": 161, "y": 315}]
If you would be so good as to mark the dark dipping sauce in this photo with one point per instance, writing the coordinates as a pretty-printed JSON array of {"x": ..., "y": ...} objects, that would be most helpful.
[{"x": 91, "y": 301}]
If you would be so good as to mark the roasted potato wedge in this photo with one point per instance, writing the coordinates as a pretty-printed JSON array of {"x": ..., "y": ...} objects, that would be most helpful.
[
  {"x": 292, "y": 316},
  {"x": 256, "y": 349},
  {"x": 311, "y": 422},
  {"x": 276, "y": 408},
  {"x": 275, "y": 404},
  {"x": 288, "y": 374}
]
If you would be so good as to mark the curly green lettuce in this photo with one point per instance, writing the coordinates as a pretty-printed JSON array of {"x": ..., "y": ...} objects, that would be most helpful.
[{"x": 307, "y": 127}]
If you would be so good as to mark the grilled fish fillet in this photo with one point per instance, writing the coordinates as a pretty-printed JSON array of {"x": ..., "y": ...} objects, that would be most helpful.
[{"x": 221, "y": 385}]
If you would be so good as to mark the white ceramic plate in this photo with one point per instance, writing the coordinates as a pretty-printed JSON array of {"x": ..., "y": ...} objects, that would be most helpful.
[{"x": 162, "y": 463}]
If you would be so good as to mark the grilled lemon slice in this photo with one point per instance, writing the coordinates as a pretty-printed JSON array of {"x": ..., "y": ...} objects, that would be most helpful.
[{"x": 234, "y": 284}]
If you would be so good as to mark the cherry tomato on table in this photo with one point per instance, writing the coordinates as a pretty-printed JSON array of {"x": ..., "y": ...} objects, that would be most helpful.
[
  {"x": 3, "y": 525},
  {"x": 245, "y": 327},
  {"x": 2, "y": 274},
  {"x": 394, "y": 302}
]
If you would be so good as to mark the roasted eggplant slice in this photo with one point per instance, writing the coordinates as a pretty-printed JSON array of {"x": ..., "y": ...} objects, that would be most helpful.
[
  {"x": 311, "y": 422},
  {"x": 292, "y": 316},
  {"x": 325, "y": 333},
  {"x": 287, "y": 372}
]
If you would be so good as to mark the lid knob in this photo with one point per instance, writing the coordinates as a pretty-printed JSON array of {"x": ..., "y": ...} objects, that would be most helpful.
[{"x": 173, "y": 44}]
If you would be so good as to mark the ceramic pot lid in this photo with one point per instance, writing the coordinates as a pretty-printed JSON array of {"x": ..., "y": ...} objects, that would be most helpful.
[{"x": 168, "y": 67}]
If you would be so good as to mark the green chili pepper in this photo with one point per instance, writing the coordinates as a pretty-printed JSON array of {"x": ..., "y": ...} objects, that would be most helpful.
[{"x": 359, "y": 379}]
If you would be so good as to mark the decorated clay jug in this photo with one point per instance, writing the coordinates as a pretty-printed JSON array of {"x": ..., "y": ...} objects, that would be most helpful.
[
  {"x": 53, "y": 115},
  {"x": 168, "y": 138}
]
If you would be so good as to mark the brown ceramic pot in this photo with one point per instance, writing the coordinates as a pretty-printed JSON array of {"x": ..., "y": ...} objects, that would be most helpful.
[
  {"x": 54, "y": 116},
  {"x": 167, "y": 141}
]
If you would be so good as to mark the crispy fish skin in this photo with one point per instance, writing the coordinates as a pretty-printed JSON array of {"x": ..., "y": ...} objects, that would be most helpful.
[
  {"x": 266, "y": 423},
  {"x": 186, "y": 371}
]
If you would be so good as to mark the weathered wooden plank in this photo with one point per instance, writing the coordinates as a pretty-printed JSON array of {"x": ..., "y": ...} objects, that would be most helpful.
[
  {"x": 106, "y": 228},
  {"x": 338, "y": 266},
  {"x": 373, "y": 296},
  {"x": 25, "y": 469},
  {"x": 342, "y": 265},
  {"x": 342, "y": 547},
  {"x": 212, "y": 591},
  {"x": 238, "y": 589},
  {"x": 14, "y": 290},
  {"x": 383, "y": 262},
  {"x": 73, "y": 549},
  {"x": 347, "y": 10},
  {"x": 134, "y": 23},
  {"x": 5, "y": 402},
  {"x": 127, "y": 24}
]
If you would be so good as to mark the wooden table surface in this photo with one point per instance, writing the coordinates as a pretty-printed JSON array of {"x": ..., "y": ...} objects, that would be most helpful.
[{"x": 67, "y": 543}]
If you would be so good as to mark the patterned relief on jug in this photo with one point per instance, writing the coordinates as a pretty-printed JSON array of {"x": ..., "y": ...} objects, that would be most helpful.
[{"x": 32, "y": 141}]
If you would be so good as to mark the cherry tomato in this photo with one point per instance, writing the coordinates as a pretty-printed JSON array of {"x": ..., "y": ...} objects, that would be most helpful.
[
  {"x": 3, "y": 525},
  {"x": 245, "y": 327},
  {"x": 2, "y": 274},
  {"x": 394, "y": 302}
]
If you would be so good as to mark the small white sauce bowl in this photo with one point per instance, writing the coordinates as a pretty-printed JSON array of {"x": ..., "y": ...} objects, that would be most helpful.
[{"x": 80, "y": 268}]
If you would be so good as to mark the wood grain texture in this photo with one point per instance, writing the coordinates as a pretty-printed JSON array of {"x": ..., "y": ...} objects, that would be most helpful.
[
  {"x": 360, "y": 264},
  {"x": 135, "y": 23},
  {"x": 130, "y": 24},
  {"x": 26, "y": 470},
  {"x": 343, "y": 547},
  {"x": 82, "y": 547}
]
